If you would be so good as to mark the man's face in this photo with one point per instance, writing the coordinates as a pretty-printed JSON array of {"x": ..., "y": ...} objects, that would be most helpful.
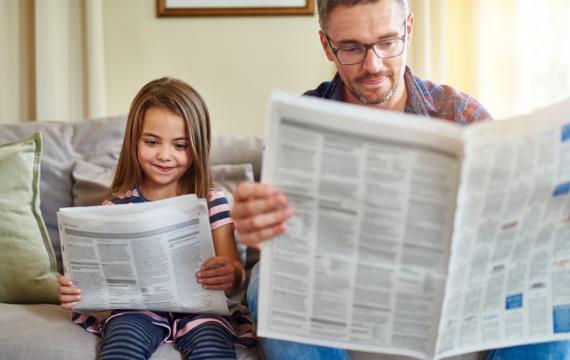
[{"x": 375, "y": 81}]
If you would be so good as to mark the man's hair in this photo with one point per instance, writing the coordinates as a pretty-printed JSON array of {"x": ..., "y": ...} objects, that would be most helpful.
[{"x": 325, "y": 7}]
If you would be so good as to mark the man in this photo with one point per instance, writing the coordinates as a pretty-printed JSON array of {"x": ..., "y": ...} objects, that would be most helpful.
[{"x": 367, "y": 41}]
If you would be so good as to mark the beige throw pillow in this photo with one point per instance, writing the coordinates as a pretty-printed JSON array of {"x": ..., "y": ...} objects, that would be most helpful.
[{"x": 27, "y": 261}]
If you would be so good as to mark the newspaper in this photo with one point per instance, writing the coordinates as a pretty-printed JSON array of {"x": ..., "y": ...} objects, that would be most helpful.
[
  {"x": 413, "y": 236},
  {"x": 140, "y": 256}
]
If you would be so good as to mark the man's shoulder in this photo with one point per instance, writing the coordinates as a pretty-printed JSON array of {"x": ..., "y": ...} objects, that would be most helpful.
[
  {"x": 446, "y": 102},
  {"x": 324, "y": 90},
  {"x": 331, "y": 90}
]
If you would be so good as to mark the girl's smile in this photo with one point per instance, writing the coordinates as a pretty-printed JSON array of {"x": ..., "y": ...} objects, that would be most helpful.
[{"x": 164, "y": 168}]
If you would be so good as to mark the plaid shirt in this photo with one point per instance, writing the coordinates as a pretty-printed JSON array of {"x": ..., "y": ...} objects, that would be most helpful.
[{"x": 424, "y": 98}]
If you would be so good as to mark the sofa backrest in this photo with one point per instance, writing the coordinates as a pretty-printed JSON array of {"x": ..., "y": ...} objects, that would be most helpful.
[{"x": 98, "y": 141}]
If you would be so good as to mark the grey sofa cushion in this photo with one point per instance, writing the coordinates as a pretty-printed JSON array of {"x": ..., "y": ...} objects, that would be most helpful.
[
  {"x": 46, "y": 332},
  {"x": 238, "y": 149}
]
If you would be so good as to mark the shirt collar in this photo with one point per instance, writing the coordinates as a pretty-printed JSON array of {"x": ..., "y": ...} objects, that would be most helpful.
[{"x": 419, "y": 102}]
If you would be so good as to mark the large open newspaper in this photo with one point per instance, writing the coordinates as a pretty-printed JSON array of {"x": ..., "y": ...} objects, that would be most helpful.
[
  {"x": 412, "y": 236},
  {"x": 140, "y": 255}
]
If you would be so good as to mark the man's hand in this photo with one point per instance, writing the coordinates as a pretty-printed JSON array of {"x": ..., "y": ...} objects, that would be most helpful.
[
  {"x": 259, "y": 213},
  {"x": 68, "y": 295}
]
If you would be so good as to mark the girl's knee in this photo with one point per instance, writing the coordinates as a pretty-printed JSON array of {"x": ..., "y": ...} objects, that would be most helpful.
[
  {"x": 210, "y": 340},
  {"x": 130, "y": 336}
]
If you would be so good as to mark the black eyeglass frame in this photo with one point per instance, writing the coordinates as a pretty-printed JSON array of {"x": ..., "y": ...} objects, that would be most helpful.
[{"x": 371, "y": 46}]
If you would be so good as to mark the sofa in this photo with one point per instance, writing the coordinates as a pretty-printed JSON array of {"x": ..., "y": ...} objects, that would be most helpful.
[{"x": 77, "y": 161}]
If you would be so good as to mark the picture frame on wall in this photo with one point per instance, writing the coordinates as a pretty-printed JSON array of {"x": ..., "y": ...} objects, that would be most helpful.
[{"x": 233, "y": 7}]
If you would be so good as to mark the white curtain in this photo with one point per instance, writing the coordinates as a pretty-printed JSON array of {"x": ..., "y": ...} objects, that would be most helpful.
[
  {"x": 428, "y": 56},
  {"x": 52, "y": 63},
  {"x": 512, "y": 55},
  {"x": 70, "y": 74}
]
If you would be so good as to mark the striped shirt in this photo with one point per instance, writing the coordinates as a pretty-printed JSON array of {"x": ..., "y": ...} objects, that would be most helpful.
[
  {"x": 424, "y": 98},
  {"x": 218, "y": 206},
  {"x": 239, "y": 323}
]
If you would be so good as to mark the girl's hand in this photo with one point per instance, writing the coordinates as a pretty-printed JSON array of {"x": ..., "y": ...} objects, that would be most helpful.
[
  {"x": 68, "y": 295},
  {"x": 219, "y": 273}
]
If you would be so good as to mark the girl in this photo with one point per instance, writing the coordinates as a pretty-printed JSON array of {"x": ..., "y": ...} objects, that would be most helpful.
[{"x": 165, "y": 153}]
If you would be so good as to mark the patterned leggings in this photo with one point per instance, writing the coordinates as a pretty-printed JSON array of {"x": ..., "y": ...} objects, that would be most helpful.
[{"x": 135, "y": 337}]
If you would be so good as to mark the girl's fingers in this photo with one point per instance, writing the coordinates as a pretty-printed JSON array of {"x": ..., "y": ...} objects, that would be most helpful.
[
  {"x": 215, "y": 262},
  {"x": 64, "y": 281},
  {"x": 215, "y": 270},
  {"x": 68, "y": 295},
  {"x": 225, "y": 280},
  {"x": 67, "y": 290},
  {"x": 225, "y": 287},
  {"x": 69, "y": 301},
  {"x": 69, "y": 298}
]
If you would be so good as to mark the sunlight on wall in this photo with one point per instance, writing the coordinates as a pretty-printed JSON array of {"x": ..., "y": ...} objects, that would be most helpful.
[
  {"x": 511, "y": 54},
  {"x": 461, "y": 51},
  {"x": 523, "y": 56},
  {"x": 545, "y": 54}
]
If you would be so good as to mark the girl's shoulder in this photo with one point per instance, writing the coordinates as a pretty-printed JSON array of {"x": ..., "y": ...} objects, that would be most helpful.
[{"x": 216, "y": 193}]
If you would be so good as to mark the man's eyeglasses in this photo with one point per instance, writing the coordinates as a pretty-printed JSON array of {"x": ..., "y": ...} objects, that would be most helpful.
[{"x": 356, "y": 53}]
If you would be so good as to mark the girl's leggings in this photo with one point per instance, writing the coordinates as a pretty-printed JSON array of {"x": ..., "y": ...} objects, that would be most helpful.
[{"x": 135, "y": 337}]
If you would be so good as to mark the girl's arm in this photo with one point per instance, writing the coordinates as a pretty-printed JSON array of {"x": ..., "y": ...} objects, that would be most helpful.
[{"x": 224, "y": 271}]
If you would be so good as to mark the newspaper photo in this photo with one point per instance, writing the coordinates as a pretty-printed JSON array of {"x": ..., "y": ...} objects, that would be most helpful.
[
  {"x": 140, "y": 256},
  {"x": 412, "y": 236}
]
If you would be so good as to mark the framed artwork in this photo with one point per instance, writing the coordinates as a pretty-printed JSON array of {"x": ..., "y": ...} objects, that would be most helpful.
[{"x": 233, "y": 7}]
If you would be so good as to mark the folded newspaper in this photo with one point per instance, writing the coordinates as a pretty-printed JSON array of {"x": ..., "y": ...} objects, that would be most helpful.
[
  {"x": 413, "y": 236},
  {"x": 140, "y": 255}
]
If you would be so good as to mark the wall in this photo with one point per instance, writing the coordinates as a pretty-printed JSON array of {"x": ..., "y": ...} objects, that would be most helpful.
[{"x": 234, "y": 62}]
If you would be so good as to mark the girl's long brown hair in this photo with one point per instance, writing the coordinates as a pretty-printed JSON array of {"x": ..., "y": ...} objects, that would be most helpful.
[{"x": 181, "y": 99}]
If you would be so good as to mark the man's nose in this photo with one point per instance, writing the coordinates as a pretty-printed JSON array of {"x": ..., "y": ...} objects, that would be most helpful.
[{"x": 372, "y": 63}]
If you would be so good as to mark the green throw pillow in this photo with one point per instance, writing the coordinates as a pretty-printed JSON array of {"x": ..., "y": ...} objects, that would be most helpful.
[{"x": 27, "y": 261}]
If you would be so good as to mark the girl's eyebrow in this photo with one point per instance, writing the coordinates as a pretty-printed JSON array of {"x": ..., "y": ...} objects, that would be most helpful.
[
  {"x": 149, "y": 134},
  {"x": 158, "y": 137}
]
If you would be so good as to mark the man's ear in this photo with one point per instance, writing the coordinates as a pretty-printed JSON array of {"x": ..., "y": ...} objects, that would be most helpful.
[
  {"x": 326, "y": 47},
  {"x": 410, "y": 28}
]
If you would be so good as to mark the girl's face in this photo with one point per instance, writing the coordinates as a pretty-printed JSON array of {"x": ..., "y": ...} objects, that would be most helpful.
[{"x": 163, "y": 152}]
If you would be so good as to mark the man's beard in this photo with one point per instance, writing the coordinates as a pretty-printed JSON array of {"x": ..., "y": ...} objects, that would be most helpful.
[{"x": 377, "y": 98}]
